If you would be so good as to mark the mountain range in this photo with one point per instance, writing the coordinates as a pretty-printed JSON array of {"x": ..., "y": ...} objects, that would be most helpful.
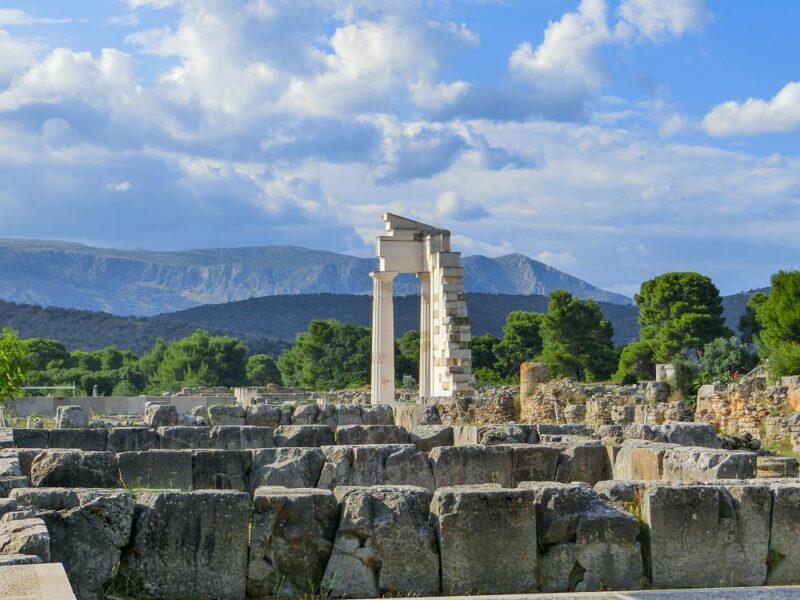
[{"x": 145, "y": 283}]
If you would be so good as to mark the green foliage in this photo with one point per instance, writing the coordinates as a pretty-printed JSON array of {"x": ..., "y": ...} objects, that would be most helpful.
[
  {"x": 406, "y": 356},
  {"x": 262, "y": 369},
  {"x": 522, "y": 341},
  {"x": 777, "y": 319},
  {"x": 329, "y": 355},
  {"x": 46, "y": 353},
  {"x": 636, "y": 363},
  {"x": 685, "y": 381},
  {"x": 749, "y": 326},
  {"x": 576, "y": 339},
  {"x": 784, "y": 359},
  {"x": 679, "y": 312},
  {"x": 725, "y": 355},
  {"x": 14, "y": 362}
]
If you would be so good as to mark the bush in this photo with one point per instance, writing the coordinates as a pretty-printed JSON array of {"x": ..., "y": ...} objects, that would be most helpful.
[{"x": 724, "y": 356}]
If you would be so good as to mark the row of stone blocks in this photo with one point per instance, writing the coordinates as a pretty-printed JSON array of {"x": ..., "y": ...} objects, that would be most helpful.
[{"x": 369, "y": 542}]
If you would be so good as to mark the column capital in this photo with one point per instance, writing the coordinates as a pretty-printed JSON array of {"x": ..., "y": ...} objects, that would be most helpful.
[
  {"x": 383, "y": 275},
  {"x": 424, "y": 275}
]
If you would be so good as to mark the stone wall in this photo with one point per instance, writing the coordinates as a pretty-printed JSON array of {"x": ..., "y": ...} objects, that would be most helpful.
[{"x": 740, "y": 408}]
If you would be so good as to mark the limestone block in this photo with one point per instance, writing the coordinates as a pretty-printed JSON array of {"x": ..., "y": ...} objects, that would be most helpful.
[
  {"x": 384, "y": 545},
  {"x": 221, "y": 469},
  {"x": 426, "y": 437},
  {"x": 475, "y": 558},
  {"x": 227, "y": 415},
  {"x": 586, "y": 545},
  {"x": 640, "y": 431},
  {"x": 326, "y": 414},
  {"x": 377, "y": 414},
  {"x": 377, "y": 464},
  {"x": 691, "y": 434},
  {"x": 354, "y": 435},
  {"x": 189, "y": 544},
  {"x": 132, "y": 439},
  {"x": 10, "y": 560},
  {"x": 74, "y": 468},
  {"x": 156, "y": 469},
  {"x": 7, "y": 484},
  {"x": 656, "y": 391},
  {"x": 263, "y": 415},
  {"x": 7, "y": 505},
  {"x": 25, "y": 536},
  {"x": 241, "y": 437},
  {"x": 88, "y": 539},
  {"x": 783, "y": 561},
  {"x": 509, "y": 434},
  {"x": 587, "y": 462},
  {"x": 24, "y": 455},
  {"x": 566, "y": 429},
  {"x": 287, "y": 467},
  {"x": 90, "y": 439},
  {"x": 158, "y": 415},
  {"x": 474, "y": 464},
  {"x": 409, "y": 416},
  {"x": 47, "y": 498},
  {"x": 305, "y": 414},
  {"x": 184, "y": 438},
  {"x": 533, "y": 463},
  {"x": 304, "y": 436},
  {"x": 691, "y": 464},
  {"x": 291, "y": 541},
  {"x": 708, "y": 535},
  {"x": 69, "y": 417},
  {"x": 467, "y": 435},
  {"x": 777, "y": 466},
  {"x": 31, "y": 438},
  {"x": 348, "y": 414},
  {"x": 639, "y": 459},
  {"x": 621, "y": 492},
  {"x": 10, "y": 467}
]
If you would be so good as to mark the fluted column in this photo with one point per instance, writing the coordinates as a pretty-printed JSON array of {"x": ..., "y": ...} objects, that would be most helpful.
[
  {"x": 424, "y": 334},
  {"x": 382, "y": 337}
]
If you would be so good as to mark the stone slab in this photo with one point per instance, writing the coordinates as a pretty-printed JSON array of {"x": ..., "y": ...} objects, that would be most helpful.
[{"x": 35, "y": 582}]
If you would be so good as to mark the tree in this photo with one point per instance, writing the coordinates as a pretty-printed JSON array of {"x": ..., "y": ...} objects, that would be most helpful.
[
  {"x": 724, "y": 356},
  {"x": 14, "y": 363},
  {"x": 778, "y": 316},
  {"x": 679, "y": 312},
  {"x": 262, "y": 369},
  {"x": 636, "y": 363},
  {"x": 44, "y": 353},
  {"x": 406, "y": 356},
  {"x": 748, "y": 322},
  {"x": 522, "y": 341},
  {"x": 577, "y": 341}
]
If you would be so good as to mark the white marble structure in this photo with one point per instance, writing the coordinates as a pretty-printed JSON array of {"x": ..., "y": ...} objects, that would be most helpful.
[{"x": 445, "y": 367}]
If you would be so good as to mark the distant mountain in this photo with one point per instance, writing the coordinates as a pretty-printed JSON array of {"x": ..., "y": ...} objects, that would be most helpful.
[{"x": 142, "y": 282}]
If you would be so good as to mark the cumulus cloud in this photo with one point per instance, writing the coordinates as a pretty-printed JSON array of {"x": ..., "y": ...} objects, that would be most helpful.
[
  {"x": 559, "y": 260},
  {"x": 15, "y": 17},
  {"x": 16, "y": 55},
  {"x": 755, "y": 116},
  {"x": 452, "y": 206},
  {"x": 658, "y": 21},
  {"x": 120, "y": 186}
]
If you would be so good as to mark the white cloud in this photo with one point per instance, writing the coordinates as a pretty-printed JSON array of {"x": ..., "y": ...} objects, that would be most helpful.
[
  {"x": 658, "y": 20},
  {"x": 121, "y": 186},
  {"x": 16, "y": 55},
  {"x": 559, "y": 260},
  {"x": 756, "y": 116},
  {"x": 15, "y": 17},
  {"x": 451, "y": 206}
]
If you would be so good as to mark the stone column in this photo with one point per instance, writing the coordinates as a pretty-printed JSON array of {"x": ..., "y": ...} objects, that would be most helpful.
[
  {"x": 424, "y": 334},
  {"x": 382, "y": 337}
]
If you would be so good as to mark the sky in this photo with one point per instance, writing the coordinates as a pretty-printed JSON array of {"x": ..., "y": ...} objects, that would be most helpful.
[{"x": 612, "y": 139}]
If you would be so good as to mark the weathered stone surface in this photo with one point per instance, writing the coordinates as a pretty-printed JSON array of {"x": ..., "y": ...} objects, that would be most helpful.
[
  {"x": 639, "y": 459},
  {"x": 189, "y": 544},
  {"x": 640, "y": 431},
  {"x": 227, "y": 415},
  {"x": 621, "y": 493},
  {"x": 25, "y": 536},
  {"x": 777, "y": 466},
  {"x": 468, "y": 435},
  {"x": 384, "y": 545},
  {"x": 427, "y": 437},
  {"x": 24, "y": 455},
  {"x": 474, "y": 464},
  {"x": 377, "y": 414},
  {"x": 69, "y": 417},
  {"x": 263, "y": 415},
  {"x": 509, "y": 434},
  {"x": 291, "y": 541},
  {"x": 286, "y": 467},
  {"x": 132, "y": 439},
  {"x": 354, "y": 435},
  {"x": 7, "y": 484},
  {"x": 31, "y": 438},
  {"x": 89, "y": 439},
  {"x": 305, "y": 414},
  {"x": 47, "y": 498},
  {"x": 9, "y": 560},
  {"x": 692, "y": 464},
  {"x": 409, "y": 416},
  {"x": 476, "y": 558},
  {"x": 784, "y": 552},
  {"x": 156, "y": 469},
  {"x": 158, "y": 415},
  {"x": 7, "y": 505},
  {"x": 691, "y": 434},
  {"x": 326, "y": 414},
  {"x": 379, "y": 464},
  {"x": 221, "y": 469},
  {"x": 304, "y": 436},
  {"x": 348, "y": 414},
  {"x": 708, "y": 535},
  {"x": 88, "y": 539},
  {"x": 566, "y": 429},
  {"x": 241, "y": 437},
  {"x": 74, "y": 468},
  {"x": 585, "y": 544},
  {"x": 9, "y": 466},
  {"x": 533, "y": 463},
  {"x": 184, "y": 438},
  {"x": 587, "y": 462}
]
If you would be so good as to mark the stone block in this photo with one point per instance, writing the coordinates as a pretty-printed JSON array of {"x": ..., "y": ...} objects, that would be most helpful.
[
  {"x": 427, "y": 437},
  {"x": 47, "y": 498},
  {"x": 566, "y": 429},
  {"x": 475, "y": 558},
  {"x": 467, "y": 435},
  {"x": 71, "y": 417},
  {"x": 31, "y": 438},
  {"x": 409, "y": 416},
  {"x": 783, "y": 561},
  {"x": 7, "y": 484},
  {"x": 286, "y": 467},
  {"x": 157, "y": 414},
  {"x": 24, "y": 455},
  {"x": 221, "y": 469},
  {"x": 777, "y": 467},
  {"x": 74, "y": 468},
  {"x": 640, "y": 431},
  {"x": 227, "y": 415},
  {"x": 384, "y": 545},
  {"x": 587, "y": 462},
  {"x": 708, "y": 535},
  {"x": 7, "y": 505},
  {"x": 348, "y": 414},
  {"x": 305, "y": 414},
  {"x": 290, "y": 542},
  {"x": 621, "y": 492},
  {"x": 326, "y": 414},
  {"x": 9, "y": 466},
  {"x": 379, "y": 464},
  {"x": 304, "y": 436},
  {"x": 10, "y": 560},
  {"x": 189, "y": 544},
  {"x": 354, "y": 435},
  {"x": 156, "y": 469},
  {"x": 25, "y": 536},
  {"x": 638, "y": 459},
  {"x": 89, "y": 439},
  {"x": 132, "y": 439},
  {"x": 533, "y": 463},
  {"x": 184, "y": 438},
  {"x": 377, "y": 414},
  {"x": 509, "y": 434},
  {"x": 474, "y": 464},
  {"x": 263, "y": 415},
  {"x": 585, "y": 544},
  {"x": 241, "y": 437},
  {"x": 691, "y": 434},
  {"x": 693, "y": 465}
]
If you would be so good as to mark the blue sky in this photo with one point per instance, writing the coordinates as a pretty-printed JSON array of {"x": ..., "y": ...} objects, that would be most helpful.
[{"x": 614, "y": 139}]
